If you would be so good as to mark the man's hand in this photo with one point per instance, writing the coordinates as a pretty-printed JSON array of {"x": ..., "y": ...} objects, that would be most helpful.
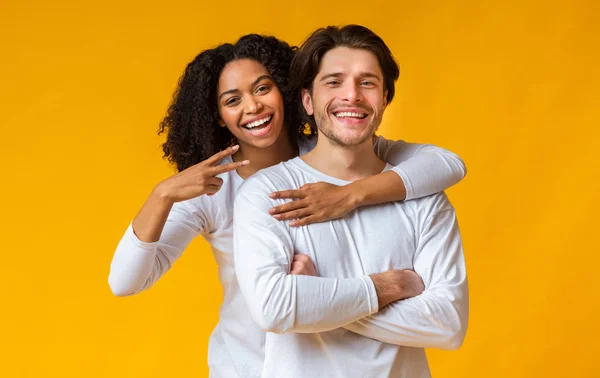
[
  {"x": 395, "y": 285},
  {"x": 303, "y": 265}
]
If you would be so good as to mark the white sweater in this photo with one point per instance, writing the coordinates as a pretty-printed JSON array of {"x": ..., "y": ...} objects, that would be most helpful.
[
  {"x": 236, "y": 344},
  {"x": 328, "y": 326}
]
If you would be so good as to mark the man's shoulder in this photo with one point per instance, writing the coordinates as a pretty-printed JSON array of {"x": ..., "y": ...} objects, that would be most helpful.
[
  {"x": 428, "y": 208},
  {"x": 438, "y": 201}
]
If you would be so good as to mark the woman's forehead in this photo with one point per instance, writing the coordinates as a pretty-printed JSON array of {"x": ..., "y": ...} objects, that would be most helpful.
[{"x": 241, "y": 72}]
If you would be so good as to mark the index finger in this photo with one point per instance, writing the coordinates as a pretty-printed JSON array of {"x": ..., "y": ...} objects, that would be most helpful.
[
  {"x": 221, "y": 155},
  {"x": 298, "y": 193},
  {"x": 227, "y": 167}
]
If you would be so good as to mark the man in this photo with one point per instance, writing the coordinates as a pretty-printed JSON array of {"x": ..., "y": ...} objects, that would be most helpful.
[{"x": 349, "y": 320}]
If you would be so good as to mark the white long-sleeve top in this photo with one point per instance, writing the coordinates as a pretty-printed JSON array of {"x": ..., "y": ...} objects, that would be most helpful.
[
  {"x": 236, "y": 344},
  {"x": 328, "y": 326}
]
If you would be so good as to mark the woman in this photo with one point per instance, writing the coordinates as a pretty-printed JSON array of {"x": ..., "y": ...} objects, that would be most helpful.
[{"x": 235, "y": 99}]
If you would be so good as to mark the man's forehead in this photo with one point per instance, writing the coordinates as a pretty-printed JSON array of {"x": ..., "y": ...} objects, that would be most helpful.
[{"x": 349, "y": 60}]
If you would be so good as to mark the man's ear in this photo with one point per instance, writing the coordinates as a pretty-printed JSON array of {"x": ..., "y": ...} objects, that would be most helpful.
[
  {"x": 307, "y": 102},
  {"x": 385, "y": 101}
]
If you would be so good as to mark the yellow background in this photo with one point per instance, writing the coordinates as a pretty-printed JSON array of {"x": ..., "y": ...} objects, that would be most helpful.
[{"x": 511, "y": 86}]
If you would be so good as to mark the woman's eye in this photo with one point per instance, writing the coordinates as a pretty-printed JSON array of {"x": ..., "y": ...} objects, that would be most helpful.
[
  {"x": 262, "y": 89},
  {"x": 231, "y": 101}
]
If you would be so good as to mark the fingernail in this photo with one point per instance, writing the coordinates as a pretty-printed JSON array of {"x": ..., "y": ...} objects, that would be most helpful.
[
  {"x": 271, "y": 211},
  {"x": 277, "y": 216},
  {"x": 245, "y": 162},
  {"x": 235, "y": 148},
  {"x": 272, "y": 195},
  {"x": 293, "y": 224}
]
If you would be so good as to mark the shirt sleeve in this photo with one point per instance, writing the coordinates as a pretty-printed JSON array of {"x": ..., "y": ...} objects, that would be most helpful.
[
  {"x": 137, "y": 265},
  {"x": 438, "y": 317},
  {"x": 425, "y": 169},
  {"x": 280, "y": 302}
]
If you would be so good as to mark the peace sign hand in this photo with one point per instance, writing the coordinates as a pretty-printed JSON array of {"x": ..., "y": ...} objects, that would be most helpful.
[{"x": 200, "y": 178}]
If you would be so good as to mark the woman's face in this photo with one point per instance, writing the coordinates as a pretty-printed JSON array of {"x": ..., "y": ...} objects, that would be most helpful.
[{"x": 250, "y": 104}]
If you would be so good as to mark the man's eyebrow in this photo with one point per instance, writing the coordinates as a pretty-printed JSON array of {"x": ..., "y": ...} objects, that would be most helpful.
[
  {"x": 337, "y": 75},
  {"x": 369, "y": 75},
  {"x": 333, "y": 75}
]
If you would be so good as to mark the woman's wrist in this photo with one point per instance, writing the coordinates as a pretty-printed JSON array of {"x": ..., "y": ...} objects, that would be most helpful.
[
  {"x": 358, "y": 194},
  {"x": 162, "y": 196}
]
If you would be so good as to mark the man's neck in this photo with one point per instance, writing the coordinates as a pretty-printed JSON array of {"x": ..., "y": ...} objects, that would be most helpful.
[
  {"x": 346, "y": 163},
  {"x": 283, "y": 149}
]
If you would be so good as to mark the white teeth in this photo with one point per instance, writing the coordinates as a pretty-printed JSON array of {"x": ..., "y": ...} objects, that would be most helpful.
[
  {"x": 258, "y": 123},
  {"x": 350, "y": 114}
]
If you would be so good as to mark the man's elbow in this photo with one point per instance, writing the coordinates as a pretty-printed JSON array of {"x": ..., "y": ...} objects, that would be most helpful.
[
  {"x": 454, "y": 341},
  {"x": 119, "y": 291},
  {"x": 273, "y": 322},
  {"x": 272, "y": 304},
  {"x": 455, "y": 337},
  {"x": 273, "y": 317},
  {"x": 463, "y": 168},
  {"x": 119, "y": 288},
  {"x": 271, "y": 325}
]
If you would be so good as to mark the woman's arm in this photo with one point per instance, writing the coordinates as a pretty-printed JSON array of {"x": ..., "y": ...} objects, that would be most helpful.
[
  {"x": 419, "y": 170},
  {"x": 165, "y": 225}
]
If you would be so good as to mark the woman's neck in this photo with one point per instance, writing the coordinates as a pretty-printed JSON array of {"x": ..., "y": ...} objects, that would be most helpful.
[{"x": 262, "y": 157}]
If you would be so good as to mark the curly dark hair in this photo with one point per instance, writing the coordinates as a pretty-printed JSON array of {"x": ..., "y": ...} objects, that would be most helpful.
[{"x": 191, "y": 123}]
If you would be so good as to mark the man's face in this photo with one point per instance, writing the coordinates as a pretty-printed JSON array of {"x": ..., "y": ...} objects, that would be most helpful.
[{"x": 348, "y": 96}]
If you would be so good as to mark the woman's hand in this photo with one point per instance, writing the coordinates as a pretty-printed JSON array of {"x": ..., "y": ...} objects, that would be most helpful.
[
  {"x": 313, "y": 203},
  {"x": 198, "y": 179}
]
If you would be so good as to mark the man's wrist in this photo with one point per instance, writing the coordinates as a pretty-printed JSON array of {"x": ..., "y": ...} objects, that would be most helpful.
[
  {"x": 394, "y": 285},
  {"x": 385, "y": 287}
]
